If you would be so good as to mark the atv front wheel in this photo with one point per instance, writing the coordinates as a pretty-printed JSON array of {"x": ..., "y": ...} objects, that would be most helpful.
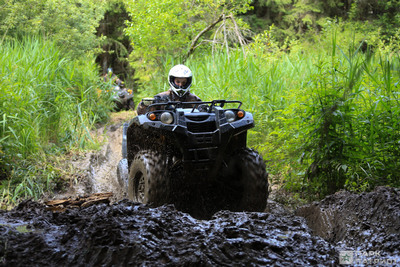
[
  {"x": 246, "y": 171},
  {"x": 148, "y": 178}
]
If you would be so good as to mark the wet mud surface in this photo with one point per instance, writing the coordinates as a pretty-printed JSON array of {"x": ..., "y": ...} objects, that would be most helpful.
[
  {"x": 125, "y": 233},
  {"x": 362, "y": 222},
  {"x": 129, "y": 233}
]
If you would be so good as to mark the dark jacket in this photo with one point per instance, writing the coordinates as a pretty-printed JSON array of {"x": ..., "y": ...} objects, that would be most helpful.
[{"x": 168, "y": 96}]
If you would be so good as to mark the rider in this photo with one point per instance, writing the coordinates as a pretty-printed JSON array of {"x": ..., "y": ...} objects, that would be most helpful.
[
  {"x": 111, "y": 76},
  {"x": 180, "y": 80}
]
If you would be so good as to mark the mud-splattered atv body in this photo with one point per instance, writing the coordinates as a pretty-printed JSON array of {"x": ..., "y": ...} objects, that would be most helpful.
[
  {"x": 123, "y": 99},
  {"x": 195, "y": 158}
]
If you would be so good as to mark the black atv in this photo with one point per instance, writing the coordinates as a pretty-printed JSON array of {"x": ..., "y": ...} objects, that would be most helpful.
[
  {"x": 193, "y": 155},
  {"x": 123, "y": 98}
]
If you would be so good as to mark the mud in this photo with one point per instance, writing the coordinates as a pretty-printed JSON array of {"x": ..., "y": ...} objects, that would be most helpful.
[
  {"x": 124, "y": 233},
  {"x": 129, "y": 233},
  {"x": 98, "y": 169},
  {"x": 362, "y": 222}
]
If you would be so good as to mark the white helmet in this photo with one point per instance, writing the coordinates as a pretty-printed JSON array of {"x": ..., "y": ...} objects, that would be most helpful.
[{"x": 180, "y": 71}]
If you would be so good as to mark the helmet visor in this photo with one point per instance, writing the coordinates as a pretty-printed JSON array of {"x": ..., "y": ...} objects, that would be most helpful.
[{"x": 180, "y": 83}]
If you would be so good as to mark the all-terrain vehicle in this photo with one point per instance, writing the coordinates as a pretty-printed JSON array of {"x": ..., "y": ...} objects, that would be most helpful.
[
  {"x": 193, "y": 155},
  {"x": 123, "y": 98}
]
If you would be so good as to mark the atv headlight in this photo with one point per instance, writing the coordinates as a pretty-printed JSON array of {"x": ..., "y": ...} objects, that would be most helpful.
[
  {"x": 166, "y": 118},
  {"x": 230, "y": 115}
]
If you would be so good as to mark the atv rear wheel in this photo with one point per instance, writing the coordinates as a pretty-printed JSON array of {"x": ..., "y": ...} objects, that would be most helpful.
[
  {"x": 247, "y": 175},
  {"x": 148, "y": 178}
]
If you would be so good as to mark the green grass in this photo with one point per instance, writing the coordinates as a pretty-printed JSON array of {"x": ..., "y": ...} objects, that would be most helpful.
[{"x": 48, "y": 104}]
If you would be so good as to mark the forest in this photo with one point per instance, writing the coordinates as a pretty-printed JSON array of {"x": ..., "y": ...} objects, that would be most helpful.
[{"x": 321, "y": 79}]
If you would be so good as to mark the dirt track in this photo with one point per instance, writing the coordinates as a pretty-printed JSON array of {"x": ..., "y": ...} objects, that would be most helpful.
[
  {"x": 99, "y": 168},
  {"x": 124, "y": 233}
]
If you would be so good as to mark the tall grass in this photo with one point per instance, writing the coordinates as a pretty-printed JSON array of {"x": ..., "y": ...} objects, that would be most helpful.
[
  {"x": 48, "y": 103},
  {"x": 326, "y": 119}
]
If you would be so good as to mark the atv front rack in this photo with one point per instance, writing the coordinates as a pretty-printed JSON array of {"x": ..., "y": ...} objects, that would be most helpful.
[{"x": 207, "y": 105}]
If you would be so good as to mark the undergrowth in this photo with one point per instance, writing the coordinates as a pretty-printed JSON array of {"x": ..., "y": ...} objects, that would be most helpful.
[{"x": 49, "y": 102}]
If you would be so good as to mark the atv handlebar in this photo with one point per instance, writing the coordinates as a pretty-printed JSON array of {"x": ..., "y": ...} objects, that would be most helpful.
[{"x": 178, "y": 104}]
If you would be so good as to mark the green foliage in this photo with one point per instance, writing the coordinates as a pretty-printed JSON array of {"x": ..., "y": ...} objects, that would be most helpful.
[
  {"x": 72, "y": 23},
  {"x": 300, "y": 18},
  {"x": 47, "y": 101},
  {"x": 346, "y": 122},
  {"x": 114, "y": 44},
  {"x": 167, "y": 27},
  {"x": 29, "y": 181},
  {"x": 292, "y": 18}
]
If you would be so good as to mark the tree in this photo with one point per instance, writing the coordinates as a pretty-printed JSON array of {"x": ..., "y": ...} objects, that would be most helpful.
[
  {"x": 384, "y": 14},
  {"x": 72, "y": 23},
  {"x": 115, "y": 45},
  {"x": 175, "y": 27}
]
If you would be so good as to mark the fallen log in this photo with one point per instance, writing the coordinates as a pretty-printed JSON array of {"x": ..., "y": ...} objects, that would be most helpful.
[{"x": 60, "y": 205}]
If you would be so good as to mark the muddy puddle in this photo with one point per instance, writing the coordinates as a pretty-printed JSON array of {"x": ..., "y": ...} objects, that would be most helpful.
[{"x": 360, "y": 230}]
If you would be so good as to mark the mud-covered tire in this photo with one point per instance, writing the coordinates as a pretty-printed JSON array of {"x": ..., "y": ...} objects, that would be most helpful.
[
  {"x": 148, "y": 178},
  {"x": 246, "y": 168}
]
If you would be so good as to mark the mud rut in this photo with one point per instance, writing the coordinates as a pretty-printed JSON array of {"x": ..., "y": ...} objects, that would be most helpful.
[{"x": 124, "y": 233}]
